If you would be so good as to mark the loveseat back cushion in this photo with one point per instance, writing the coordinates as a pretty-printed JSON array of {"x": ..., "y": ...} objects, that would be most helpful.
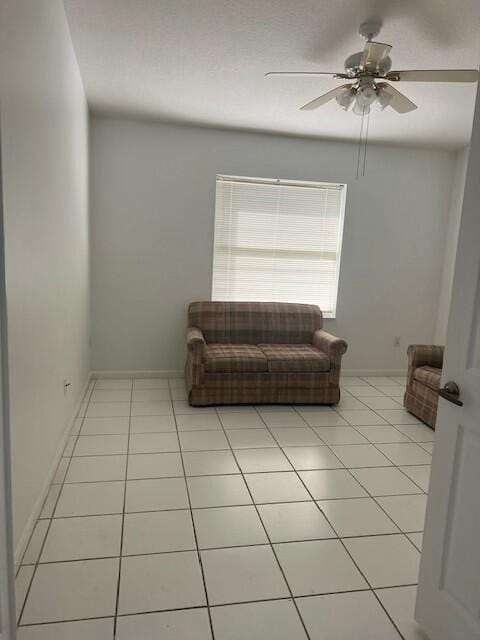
[
  {"x": 234, "y": 358},
  {"x": 429, "y": 376},
  {"x": 295, "y": 358},
  {"x": 255, "y": 322}
]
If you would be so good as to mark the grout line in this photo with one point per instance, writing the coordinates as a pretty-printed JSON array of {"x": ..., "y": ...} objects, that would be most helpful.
[
  {"x": 199, "y": 556},
  {"x": 117, "y": 595}
]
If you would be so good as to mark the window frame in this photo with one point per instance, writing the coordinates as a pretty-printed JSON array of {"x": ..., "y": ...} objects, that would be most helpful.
[{"x": 342, "y": 186}]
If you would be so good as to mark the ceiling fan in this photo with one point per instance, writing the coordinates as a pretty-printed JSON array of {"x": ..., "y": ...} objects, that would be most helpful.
[{"x": 370, "y": 73}]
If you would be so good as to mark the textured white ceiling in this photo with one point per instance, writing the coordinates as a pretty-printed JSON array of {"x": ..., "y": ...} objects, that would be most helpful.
[{"x": 203, "y": 62}]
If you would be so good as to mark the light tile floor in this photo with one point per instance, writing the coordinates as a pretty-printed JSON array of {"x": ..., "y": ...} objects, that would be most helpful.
[{"x": 236, "y": 523}]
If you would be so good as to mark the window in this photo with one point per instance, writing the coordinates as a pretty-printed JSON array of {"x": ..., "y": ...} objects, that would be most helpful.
[{"x": 278, "y": 241}]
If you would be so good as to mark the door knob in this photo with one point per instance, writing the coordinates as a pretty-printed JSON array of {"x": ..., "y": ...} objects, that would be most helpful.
[{"x": 451, "y": 392}]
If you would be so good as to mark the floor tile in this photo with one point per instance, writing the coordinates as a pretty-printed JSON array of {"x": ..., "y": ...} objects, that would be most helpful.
[
  {"x": 258, "y": 621},
  {"x": 242, "y": 574},
  {"x": 22, "y": 584},
  {"x": 228, "y": 527},
  {"x": 150, "y": 395},
  {"x": 276, "y": 487},
  {"x": 69, "y": 446},
  {"x": 156, "y": 495},
  {"x": 383, "y": 434},
  {"x": 108, "y": 409},
  {"x": 279, "y": 419},
  {"x": 340, "y": 435},
  {"x": 101, "y": 629},
  {"x": 319, "y": 566},
  {"x": 90, "y": 499},
  {"x": 357, "y": 517},
  {"x": 96, "y": 469},
  {"x": 417, "y": 432},
  {"x": 379, "y": 380},
  {"x": 398, "y": 416},
  {"x": 427, "y": 446},
  {"x": 385, "y": 481},
  {"x": 178, "y": 393},
  {"x": 360, "y": 455},
  {"x": 235, "y": 408},
  {"x": 189, "y": 624},
  {"x": 242, "y": 420},
  {"x": 152, "y": 424},
  {"x": 77, "y": 425},
  {"x": 365, "y": 392},
  {"x": 408, "y": 512},
  {"x": 198, "y": 422},
  {"x": 113, "y": 383},
  {"x": 405, "y": 453},
  {"x": 250, "y": 438},
  {"x": 349, "y": 402},
  {"x": 203, "y": 440},
  {"x": 177, "y": 382},
  {"x": 386, "y": 561},
  {"x": 353, "y": 381},
  {"x": 35, "y": 543},
  {"x": 359, "y": 417},
  {"x": 153, "y": 443},
  {"x": 157, "y": 532},
  {"x": 101, "y": 445},
  {"x": 150, "y": 383},
  {"x": 83, "y": 538},
  {"x": 256, "y": 460},
  {"x": 206, "y": 463},
  {"x": 416, "y": 538},
  {"x": 295, "y": 437},
  {"x": 152, "y": 408},
  {"x": 295, "y": 521},
  {"x": 324, "y": 419},
  {"x": 105, "y": 426},
  {"x": 218, "y": 491},
  {"x": 154, "y": 465},
  {"x": 72, "y": 590},
  {"x": 419, "y": 474},
  {"x": 110, "y": 395},
  {"x": 162, "y": 581},
  {"x": 391, "y": 389},
  {"x": 400, "y": 604},
  {"x": 346, "y": 616},
  {"x": 182, "y": 407},
  {"x": 304, "y": 458},
  {"x": 381, "y": 402},
  {"x": 327, "y": 484}
]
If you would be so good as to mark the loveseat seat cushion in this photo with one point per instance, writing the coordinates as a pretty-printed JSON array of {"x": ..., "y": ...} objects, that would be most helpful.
[
  {"x": 234, "y": 358},
  {"x": 295, "y": 358},
  {"x": 429, "y": 376}
]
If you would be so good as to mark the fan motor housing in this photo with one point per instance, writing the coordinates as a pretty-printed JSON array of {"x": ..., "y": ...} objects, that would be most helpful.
[{"x": 352, "y": 65}]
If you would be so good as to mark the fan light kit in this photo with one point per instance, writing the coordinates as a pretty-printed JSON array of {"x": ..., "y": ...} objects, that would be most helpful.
[{"x": 369, "y": 73}]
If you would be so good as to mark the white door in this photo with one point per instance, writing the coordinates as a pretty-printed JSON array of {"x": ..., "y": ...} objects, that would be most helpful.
[
  {"x": 7, "y": 615},
  {"x": 448, "y": 603}
]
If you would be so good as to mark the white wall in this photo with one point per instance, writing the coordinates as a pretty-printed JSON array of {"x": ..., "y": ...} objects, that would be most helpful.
[
  {"x": 44, "y": 130},
  {"x": 152, "y": 202},
  {"x": 451, "y": 240}
]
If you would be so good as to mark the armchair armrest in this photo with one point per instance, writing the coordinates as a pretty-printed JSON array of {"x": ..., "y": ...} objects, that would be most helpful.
[
  {"x": 194, "y": 337},
  {"x": 420, "y": 355},
  {"x": 331, "y": 345}
]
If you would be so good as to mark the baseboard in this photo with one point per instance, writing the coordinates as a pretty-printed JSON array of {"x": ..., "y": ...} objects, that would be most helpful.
[
  {"x": 138, "y": 373},
  {"x": 24, "y": 539},
  {"x": 374, "y": 372}
]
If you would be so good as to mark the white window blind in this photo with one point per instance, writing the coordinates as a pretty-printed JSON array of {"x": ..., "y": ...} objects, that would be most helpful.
[{"x": 278, "y": 241}]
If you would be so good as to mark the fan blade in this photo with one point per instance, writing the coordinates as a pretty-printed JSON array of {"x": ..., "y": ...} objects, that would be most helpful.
[
  {"x": 399, "y": 102},
  {"x": 306, "y": 73},
  {"x": 437, "y": 75},
  {"x": 326, "y": 97},
  {"x": 373, "y": 54}
]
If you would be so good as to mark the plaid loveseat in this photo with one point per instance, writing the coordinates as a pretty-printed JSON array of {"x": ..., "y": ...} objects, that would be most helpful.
[
  {"x": 260, "y": 352},
  {"x": 425, "y": 364}
]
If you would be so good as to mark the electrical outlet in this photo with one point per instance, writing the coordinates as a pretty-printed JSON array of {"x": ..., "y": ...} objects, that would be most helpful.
[
  {"x": 66, "y": 385},
  {"x": 396, "y": 341}
]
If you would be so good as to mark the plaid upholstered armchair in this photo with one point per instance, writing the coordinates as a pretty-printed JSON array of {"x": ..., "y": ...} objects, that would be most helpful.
[
  {"x": 425, "y": 364},
  {"x": 260, "y": 352}
]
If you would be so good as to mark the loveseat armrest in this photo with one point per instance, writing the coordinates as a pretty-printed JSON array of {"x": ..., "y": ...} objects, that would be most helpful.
[
  {"x": 332, "y": 346},
  {"x": 195, "y": 338},
  {"x": 421, "y": 355}
]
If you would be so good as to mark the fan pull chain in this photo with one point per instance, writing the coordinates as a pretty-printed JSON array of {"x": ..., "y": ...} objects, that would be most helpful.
[{"x": 362, "y": 144}]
